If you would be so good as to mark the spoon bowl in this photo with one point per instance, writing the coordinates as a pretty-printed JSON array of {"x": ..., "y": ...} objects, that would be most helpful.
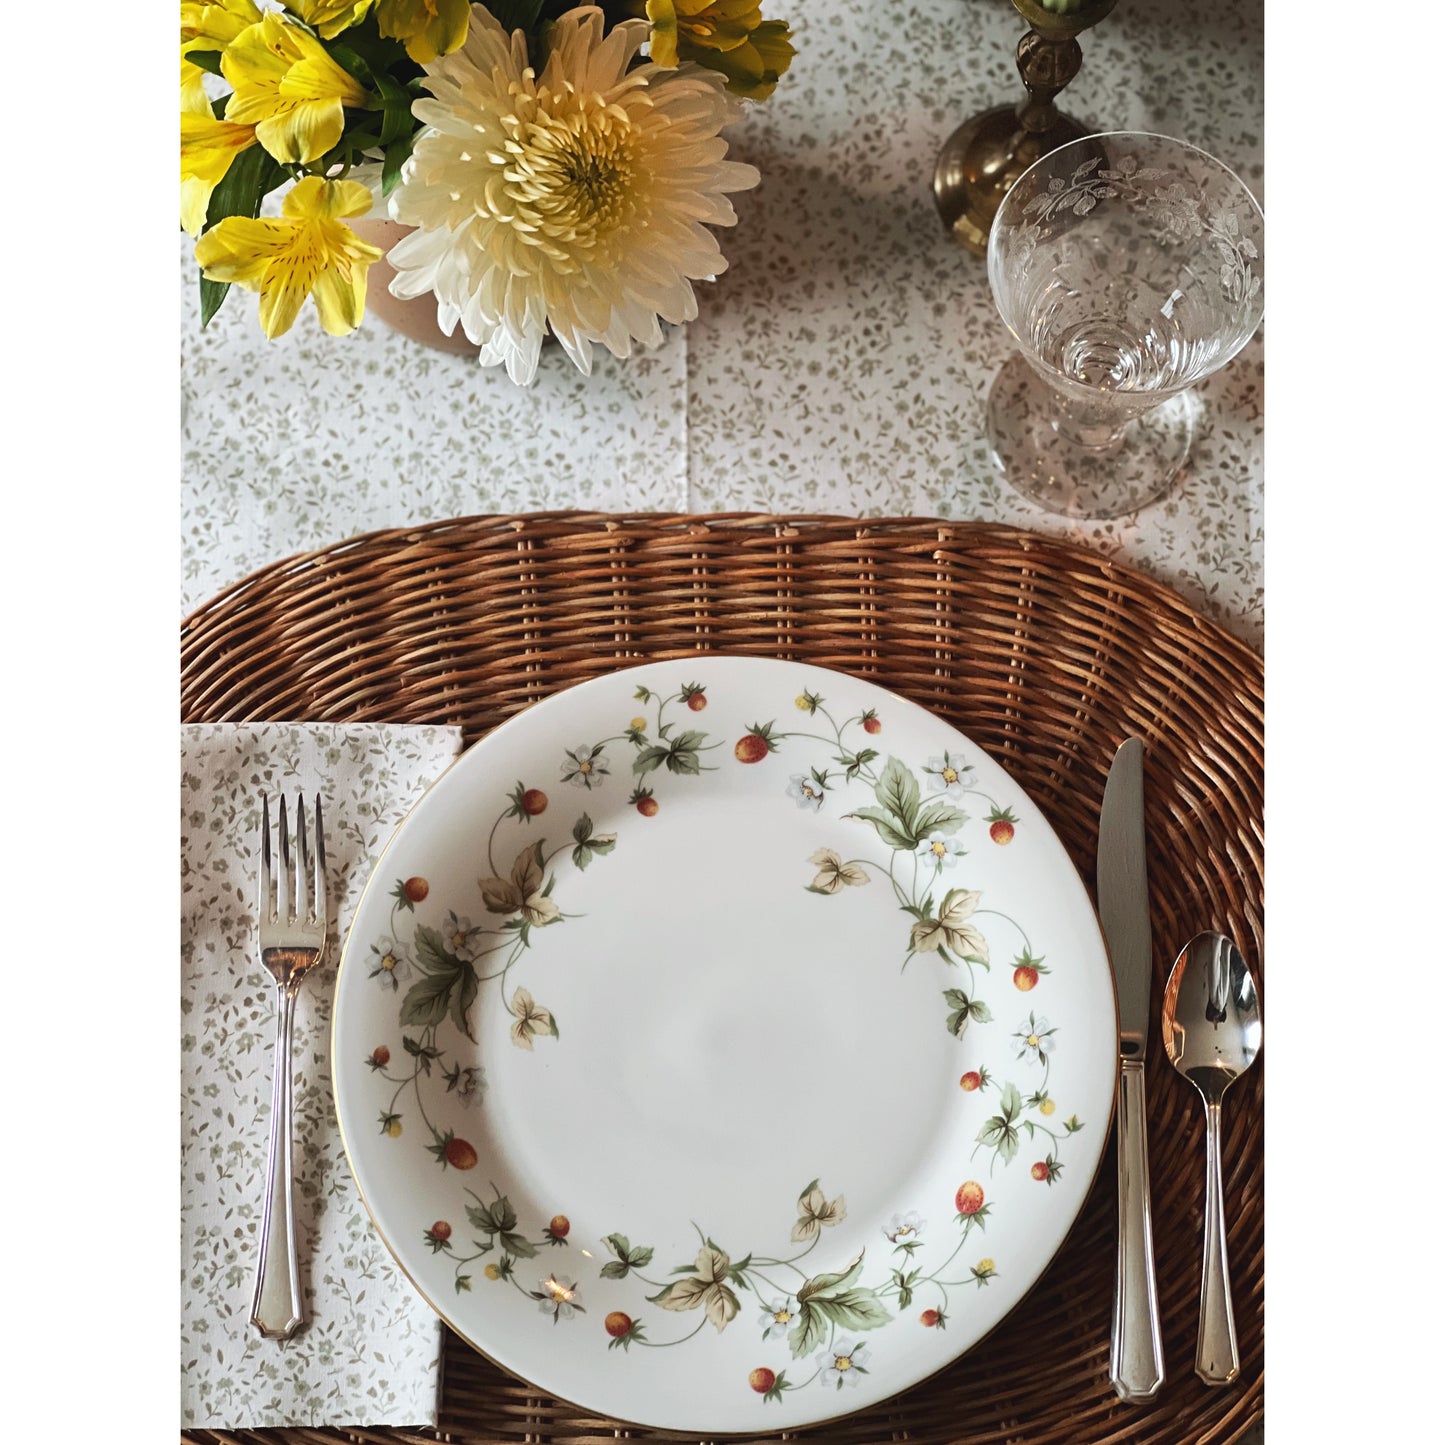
[{"x": 1212, "y": 1034}]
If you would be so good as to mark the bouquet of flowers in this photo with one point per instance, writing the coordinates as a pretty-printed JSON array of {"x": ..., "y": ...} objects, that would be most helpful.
[{"x": 559, "y": 164}]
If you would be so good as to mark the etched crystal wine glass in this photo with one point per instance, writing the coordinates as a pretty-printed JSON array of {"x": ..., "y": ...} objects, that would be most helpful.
[{"x": 1128, "y": 267}]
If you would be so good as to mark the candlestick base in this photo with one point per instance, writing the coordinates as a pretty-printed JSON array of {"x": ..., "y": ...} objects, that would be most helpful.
[{"x": 981, "y": 160}]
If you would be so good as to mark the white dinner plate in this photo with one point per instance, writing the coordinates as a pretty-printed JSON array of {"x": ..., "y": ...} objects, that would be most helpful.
[{"x": 724, "y": 1045}]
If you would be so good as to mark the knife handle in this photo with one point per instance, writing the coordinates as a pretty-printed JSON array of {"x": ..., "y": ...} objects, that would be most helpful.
[{"x": 1136, "y": 1349}]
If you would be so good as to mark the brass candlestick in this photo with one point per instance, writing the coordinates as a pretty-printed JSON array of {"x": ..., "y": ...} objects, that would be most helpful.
[{"x": 986, "y": 155}]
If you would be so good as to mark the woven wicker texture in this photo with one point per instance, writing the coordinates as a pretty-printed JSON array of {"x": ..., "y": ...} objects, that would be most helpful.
[{"x": 1043, "y": 653}]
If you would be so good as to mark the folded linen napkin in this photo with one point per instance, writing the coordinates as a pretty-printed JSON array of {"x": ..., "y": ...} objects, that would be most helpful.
[{"x": 370, "y": 1353}]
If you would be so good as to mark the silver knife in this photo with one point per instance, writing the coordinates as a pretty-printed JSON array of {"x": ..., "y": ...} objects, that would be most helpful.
[{"x": 1136, "y": 1349}]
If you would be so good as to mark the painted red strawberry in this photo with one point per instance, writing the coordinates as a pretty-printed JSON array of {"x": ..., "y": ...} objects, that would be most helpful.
[
  {"x": 560, "y": 1227},
  {"x": 762, "y": 1379},
  {"x": 1040, "y": 1170},
  {"x": 534, "y": 801},
  {"x": 380, "y": 1057},
  {"x": 970, "y": 1081},
  {"x": 969, "y": 1198},
  {"x": 755, "y": 744},
  {"x": 416, "y": 889},
  {"x": 929, "y": 1319},
  {"x": 441, "y": 1230},
  {"x": 460, "y": 1154},
  {"x": 1001, "y": 825},
  {"x": 694, "y": 697},
  {"x": 1028, "y": 971},
  {"x": 646, "y": 803},
  {"x": 871, "y": 725},
  {"x": 617, "y": 1324}
]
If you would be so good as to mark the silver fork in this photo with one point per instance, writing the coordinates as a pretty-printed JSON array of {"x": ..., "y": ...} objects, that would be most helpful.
[{"x": 293, "y": 938}]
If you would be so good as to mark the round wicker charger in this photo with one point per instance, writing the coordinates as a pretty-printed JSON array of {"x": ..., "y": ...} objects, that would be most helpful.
[{"x": 1042, "y": 652}]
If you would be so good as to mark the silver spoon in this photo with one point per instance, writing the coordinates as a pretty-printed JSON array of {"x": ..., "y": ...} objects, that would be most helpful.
[{"x": 1212, "y": 1035}]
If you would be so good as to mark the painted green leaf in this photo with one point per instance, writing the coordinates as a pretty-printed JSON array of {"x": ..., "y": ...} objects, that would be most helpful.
[
  {"x": 618, "y": 1244},
  {"x": 890, "y": 829},
  {"x": 463, "y": 999},
  {"x": 897, "y": 792},
  {"x": 516, "y": 1244},
  {"x": 504, "y": 1214},
  {"x": 853, "y": 1309},
  {"x": 824, "y": 1285},
  {"x": 810, "y": 1331},
  {"x": 432, "y": 954},
  {"x": 427, "y": 1000},
  {"x": 480, "y": 1216},
  {"x": 940, "y": 818},
  {"x": 614, "y": 1269}
]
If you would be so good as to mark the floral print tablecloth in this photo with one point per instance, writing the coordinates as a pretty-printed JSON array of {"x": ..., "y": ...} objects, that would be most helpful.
[
  {"x": 840, "y": 365},
  {"x": 370, "y": 1352}
]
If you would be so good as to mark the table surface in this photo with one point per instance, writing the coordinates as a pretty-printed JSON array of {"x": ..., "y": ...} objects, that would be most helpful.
[{"x": 840, "y": 365}]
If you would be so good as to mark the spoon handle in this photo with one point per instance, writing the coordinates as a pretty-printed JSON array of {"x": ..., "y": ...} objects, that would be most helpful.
[{"x": 1216, "y": 1360}]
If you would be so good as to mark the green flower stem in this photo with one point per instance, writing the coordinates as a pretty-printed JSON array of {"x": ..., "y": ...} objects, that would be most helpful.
[
  {"x": 994, "y": 912},
  {"x": 668, "y": 1344}
]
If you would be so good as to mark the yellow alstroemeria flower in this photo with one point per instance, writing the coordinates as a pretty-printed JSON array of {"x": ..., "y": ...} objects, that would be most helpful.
[
  {"x": 307, "y": 252},
  {"x": 289, "y": 88},
  {"x": 208, "y": 146},
  {"x": 729, "y": 36},
  {"x": 330, "y": 17},
  {"x": 210, "y": 26},
  {"x": 429, "y": 27}
]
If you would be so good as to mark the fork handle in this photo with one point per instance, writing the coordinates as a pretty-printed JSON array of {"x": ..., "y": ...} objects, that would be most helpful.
[{"x": 276, "y": 1305}]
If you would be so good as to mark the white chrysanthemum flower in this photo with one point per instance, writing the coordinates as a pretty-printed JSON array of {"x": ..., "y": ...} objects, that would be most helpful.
[{"x": 578, "y": 199}]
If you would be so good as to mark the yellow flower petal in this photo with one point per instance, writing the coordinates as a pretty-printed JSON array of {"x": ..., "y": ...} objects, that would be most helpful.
[
  {"x": 288, "y": 86},
  {"x": 429, "y": 27},
  {"x": 307, "y": 252},
  {"x": 208, "y": 146},
  {"x": 193, "y": 89},
  {"x": 330, "y": 17}
]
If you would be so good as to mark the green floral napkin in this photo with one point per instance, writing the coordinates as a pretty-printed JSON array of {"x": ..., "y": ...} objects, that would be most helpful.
[{"x": 370, "y": 1352}]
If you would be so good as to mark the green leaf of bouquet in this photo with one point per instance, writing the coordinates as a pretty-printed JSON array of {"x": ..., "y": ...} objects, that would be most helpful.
[
  {"x": 853, "y": 1309},
  {"x": 248, "y": 178},
  {"x": 810, "y": 1331},
  {"x": 890, "y": 828},
  {"x": 351, "y": 63},
  {"x": 516, "y": 14},
  {"x": 897, "y": 792},
  {"x": 207, "y": 60},
  {"x": 397, "y": 155},
  {"x": 396, "y": 114},
  {"x": 427, "y": 1000}
]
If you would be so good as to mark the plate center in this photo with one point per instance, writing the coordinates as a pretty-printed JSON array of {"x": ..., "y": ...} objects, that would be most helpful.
[{"x": 726, "y": 1037}]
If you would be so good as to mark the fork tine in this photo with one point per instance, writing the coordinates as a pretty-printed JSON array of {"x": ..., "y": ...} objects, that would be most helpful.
[
  {"x": 267, "y": 910},
  {"x": 284, "y": 885},
  {"x": 304, "y": 903},
  {"x": 319, "y": 897}
]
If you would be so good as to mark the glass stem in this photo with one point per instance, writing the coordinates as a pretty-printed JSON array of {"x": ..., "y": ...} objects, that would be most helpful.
[{"x": 1096, "y": 426}]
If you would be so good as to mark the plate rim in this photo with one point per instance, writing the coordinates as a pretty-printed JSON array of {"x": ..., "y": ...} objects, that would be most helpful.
[{"x": 445, "y": 1317}]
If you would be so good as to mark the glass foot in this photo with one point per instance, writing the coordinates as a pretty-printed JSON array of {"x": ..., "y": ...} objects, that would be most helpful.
[{"x": 1062, "y": 476}]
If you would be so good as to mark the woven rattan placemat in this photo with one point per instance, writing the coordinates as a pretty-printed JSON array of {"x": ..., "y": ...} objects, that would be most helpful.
[{"x": 1044, "y": 653}]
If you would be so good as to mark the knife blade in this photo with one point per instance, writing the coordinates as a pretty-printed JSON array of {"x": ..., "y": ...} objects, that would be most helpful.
[{"x": 1136, "y": 1350}]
